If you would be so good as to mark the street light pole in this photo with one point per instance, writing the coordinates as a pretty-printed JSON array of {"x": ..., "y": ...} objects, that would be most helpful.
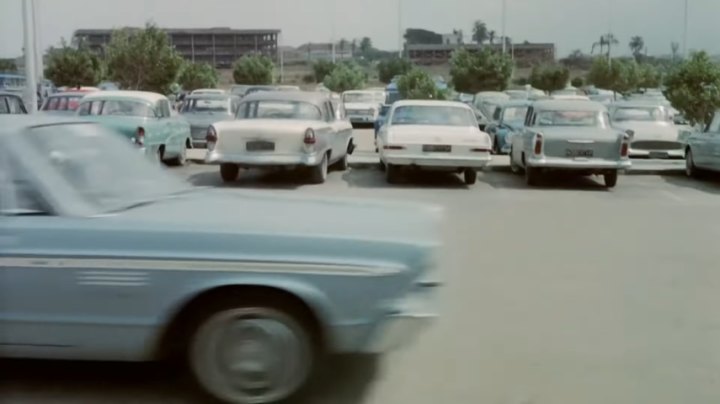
[
  {"x": 504, "y": 18},
  {"x": 332, "y": 18},
  {"x": 400, "y": 41},
  {"x": 29, "y": 47},
  {"x": 685, "y": 31}
]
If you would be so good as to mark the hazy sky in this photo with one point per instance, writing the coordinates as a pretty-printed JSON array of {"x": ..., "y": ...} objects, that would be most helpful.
[{"x": 570, "y": 24}]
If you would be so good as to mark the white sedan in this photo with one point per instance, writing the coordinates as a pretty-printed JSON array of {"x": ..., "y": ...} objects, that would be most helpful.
[{"x": 433, "y": 135}]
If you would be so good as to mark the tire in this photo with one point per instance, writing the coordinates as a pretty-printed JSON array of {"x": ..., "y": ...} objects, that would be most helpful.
[
  {"x": 470, "y": 176},
  {"x": 382, "y": 166},
  {"x": 610, "y": 179},
  {"x": 342, "y": 164},
  {"x": 273, "y": 352},
  {"x": 532, "y": 176},
  {"x": 318, "y": 174},
  {"x": 392, "y": 173},
  {"x": 181, "y": 158},
  {"x": 229, "y": 172},
  {"x": 691, "y": 169},
  {"x": 514, "y": 167}
]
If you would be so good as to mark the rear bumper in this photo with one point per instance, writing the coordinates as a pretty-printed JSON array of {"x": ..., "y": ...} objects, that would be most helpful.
[
  {"x": 362, "y": 119},
  {"x": 264, "y": 160},
  {"x": 658, "y": 154},
  {"x": 578, "y": 164},
  {"x": 424, "y": 160}
]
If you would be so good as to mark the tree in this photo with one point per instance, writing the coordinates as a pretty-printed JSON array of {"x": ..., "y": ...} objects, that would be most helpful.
[
  {"x": 637, "y": 44},
  {"x": 577, "y": 60},
  {"x": 387, "y": 69},
  {"x": 485, "y": 70},
  {"x": 415, "y": 36},
  {"x": 577, "y": 82},
  {"x": 343, "y": 44},
  {"x": 256, "y": 69},
  {"x": 694, "y": 88},
  {"x": 197, "y": 75},
  {"x": 648, "y": 76},
  {"x": 142, "y": 59},
  {"x": 606, "y": 40},
  {"x": 345, "y": 77},
  {"x": 73, "y": 66},
  {"x": 549, "y": 78},
  {"x": 619, "y": 75},
  {"x": 365, "y": 45},
  {"x": 7, "y": 65},
  {"x": 321, "y": 69},
  {"x": 418, "y": 85},
  {"x": 480, "y": 32}
]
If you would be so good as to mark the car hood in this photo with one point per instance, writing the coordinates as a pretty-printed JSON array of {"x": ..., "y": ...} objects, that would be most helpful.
[
  {"x": 205, "y": 120},
  {"x": 432, "y": 134},
  {"x": 650, "y": 130},
  {"x": 362, "y": 105}
]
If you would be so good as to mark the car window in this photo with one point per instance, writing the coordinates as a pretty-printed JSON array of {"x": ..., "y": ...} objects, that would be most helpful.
[
  {"x": 4, "y": 108},
  {"x": 432, "y": 115},
  {"x": 165, "y": 108},
  {"x": 96, "y": 107},
  {"x": 84, "y": 109},
  {"x": 715, "y": 124},
  {"x": 52, "y": 104},
  {"x": 572, "y": 118},
  {"x": 329, "y": 112},
  {"x": 279, "y": 109},
  {"x": 15, "y": 105},
  {"x": 125, "y": 108}
]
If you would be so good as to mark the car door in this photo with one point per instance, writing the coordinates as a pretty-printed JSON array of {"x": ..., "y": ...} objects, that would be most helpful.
[
  {"x": 341, "y": 127},
  {"x": 702, "y": 144},
  {"x": 165, "y": 128},
  {"x": 713, "y": 144}
]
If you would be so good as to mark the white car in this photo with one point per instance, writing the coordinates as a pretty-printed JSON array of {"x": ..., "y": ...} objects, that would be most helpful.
[
  {"x": 363, "y": 106},
  {"x": 433, "y": 135},
  {"x": 282, "y": 129},
  {"x": 654, "y": 135}
]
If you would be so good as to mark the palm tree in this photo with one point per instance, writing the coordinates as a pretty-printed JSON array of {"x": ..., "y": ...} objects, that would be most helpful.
[
  {"x": 480, "y": 32},
  {"x": 606, "y": 40},
  {"x": 636, "y": 46},
  {"x": 491, "y": 37}
]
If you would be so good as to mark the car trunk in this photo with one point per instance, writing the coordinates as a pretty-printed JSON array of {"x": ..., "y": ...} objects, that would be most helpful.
[
  {"x": 262, "y": 136},
  {"x": 581, "y": 143},
  {"x": 437, "y": 139}
]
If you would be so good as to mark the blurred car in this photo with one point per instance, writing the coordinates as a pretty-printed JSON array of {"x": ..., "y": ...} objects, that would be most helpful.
[
  {"x": 239, "y": 89},
  {"x": 216, "y": 91},
  {"x": 108, "y": 86},
  {"x": 281, "y": 129},
  {"x": 702, "y": 151},
  {"x": 380, "y": 121},
  {"x": 202, "y": 110},
  {"x": 363, "y": 106},
  {"x": 508, "y": 118},
  {"x": 569, "y": 136},
  {"x": 11, "y": 104},
  {"x": 484, "y": 104},
  {"x": 568, "y": 97},
  {"x": 62, "y": 103},
  {"x": 435, "y": 136},
  {"x": 106, "y": 257},
  {"x": 143, "y": 117},
  {"x": 568, "y": 91},
  {"x": 654, "y": 134}
]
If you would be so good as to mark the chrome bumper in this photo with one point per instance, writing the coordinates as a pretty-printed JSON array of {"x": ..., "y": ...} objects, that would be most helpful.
[
  {"x": 427, "y": 160},
  {"x": 578, "y": 163},
  {"x": 362, "y": 119},
  {"x": 402, "y": 324},
  {"x": 658, "y": 154},
  {"x": 264, "y": 160}
]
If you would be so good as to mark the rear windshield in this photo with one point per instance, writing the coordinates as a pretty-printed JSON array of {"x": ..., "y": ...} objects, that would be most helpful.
[
  {"x": 271, "y": 109},
  {"x": 639, "y": 114},
  {"x": 69, "y": 103},
  {"x": 115, "y": 108},
  {"x": 432, "y": 115},
  {"x": 596, "y": 119},
  {"x": 206, "y": 105}
]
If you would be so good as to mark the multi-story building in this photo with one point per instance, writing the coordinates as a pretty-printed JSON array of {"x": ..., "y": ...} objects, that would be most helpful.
[
  {"x": 220, "y": 47},
  {"x": 324, "y": 51},
  {"x": 522, "y": 53}
]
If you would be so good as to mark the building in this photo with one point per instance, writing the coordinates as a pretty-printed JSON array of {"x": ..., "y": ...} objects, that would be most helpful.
[
  {"x": 524, "y": 54},
  {"x": 220, "y": 47},
  {"x": 323, "y": 51},
  {"x": 452, "y": 39}
]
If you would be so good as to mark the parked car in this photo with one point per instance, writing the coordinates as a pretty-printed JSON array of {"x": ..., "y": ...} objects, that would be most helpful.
[
  {"x": 484, "y": 104},
  {"x": 569, "y": 136},
  {"x": 380, "y": 121},
  {"x": 702, "y": 150},
  {"x": 106, "y": 257},
  {"x": 145, "y": 118},
  {"x": 282, "y": 129},
  {"x": 363, "y": 106},
  {"x": 202, "y": 110},
  {"x": 11, "y": 103},
  {"x": 509, "y": 117},
  {"x": 62, "y": 103},
  {"x": 654, "y": 134},
  {"x": 215, "y": 91},
  {"x": 432, "y": 135},
  {"x": 239, "y": 89}
]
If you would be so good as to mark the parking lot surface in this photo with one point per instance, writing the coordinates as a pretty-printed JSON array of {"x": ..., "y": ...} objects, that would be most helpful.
[{"x": 566, "y": 293}]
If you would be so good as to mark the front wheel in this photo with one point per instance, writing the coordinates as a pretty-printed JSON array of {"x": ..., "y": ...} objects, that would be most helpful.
[
  {"x": 342, "y": 164},
  {"x": 181, "y": 158},
  {"x": 611, "y": 179},
  {"x": 470, "y": 176},
  {"x": 691, "y": 169},
  {"x": 251, "y": 353},
  {"x": 318, "y": 174}
]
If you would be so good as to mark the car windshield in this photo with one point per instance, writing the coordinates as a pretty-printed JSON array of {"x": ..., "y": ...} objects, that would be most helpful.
[
  {"x": 367, "y": 98},
  {"x": 432, "y": 115},
  {"x": 639, "y": 114},
  {"x": 571, "y": 118},
  {"x": 206, "y": 106},
  {"x": 101, "y": 167},
  {"x": 125, "y": 108},
  {"x": 279, "y": 109},
  {"x": 62, "y": 103},
  {"x": 515, "y": 113}
]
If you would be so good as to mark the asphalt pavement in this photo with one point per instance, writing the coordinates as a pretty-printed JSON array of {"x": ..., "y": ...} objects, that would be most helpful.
[{"x": 566, "y": 293}]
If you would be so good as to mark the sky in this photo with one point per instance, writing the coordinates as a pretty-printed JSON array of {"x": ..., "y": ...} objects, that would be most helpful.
[{"x": 570, "y": 24}]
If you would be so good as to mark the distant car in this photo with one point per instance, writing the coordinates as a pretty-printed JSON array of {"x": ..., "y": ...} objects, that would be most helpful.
[
  {"x": 108, "y": 86},
  {"x": 380, "y": 121},
  {"x": 654, "y": 134},
  {"x": 62, "y": 103},
  {"x": 363, "y": 106},
  {"x": 143, "y": 117},
  {"x": 569, "y": 136},
  {"x": 568, "y": 91},
  {"x": 508, "y": 118},
  {"x": 484, "y": 104},
  {"x": 239, "y": 89},
  {"x": 702, "y": 151},
  {"x": 11, "y": 104},
  {"x": 216, "y": 91},
  {"x": 202, "y": 110},
  {"x": 568, "y": 97},
  {"x": 435, "y": 136},
  {"x": 107, "y": 257},
  {"x": 281, "y": 129}
]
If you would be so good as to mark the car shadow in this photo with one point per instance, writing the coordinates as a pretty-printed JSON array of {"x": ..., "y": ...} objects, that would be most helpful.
[
  {"x": 375, "y": 178},
  {"x": 707, "y": 183},
  {"x": 559, "y": 181},
  {"x": 343, "y": 380},
  {"x": 253, "y": 179}
]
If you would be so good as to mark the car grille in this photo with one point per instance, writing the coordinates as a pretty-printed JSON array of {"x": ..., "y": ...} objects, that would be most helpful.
[{"x": 656, "y": 145}]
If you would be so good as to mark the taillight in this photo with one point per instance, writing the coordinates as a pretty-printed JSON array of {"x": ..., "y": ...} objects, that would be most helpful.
[
  {"x": 140, "y": 136},
  {"x": 393, "y": 147},
  {"x": 309, "y": 137},
  {"x": 625, "y": 147},
  {"x": 538, "y": 144}
]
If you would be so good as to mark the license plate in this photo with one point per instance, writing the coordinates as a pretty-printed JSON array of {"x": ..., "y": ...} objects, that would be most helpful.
[
  {"x": 578, "y": 153},
  {"x": 658, "y": 155},
  {"x": 436, "y": 148},
  {"x": 260, "y": 145}
]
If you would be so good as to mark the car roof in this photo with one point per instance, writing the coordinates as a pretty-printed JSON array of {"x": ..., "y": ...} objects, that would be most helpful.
[
  {"x": 638, "y": 103},
  {"x": 369, "y": 90},
  {"x": 211, "y": 96},
  {"x": 568, "y": 105},
  {"x": 515, "y": 103},
  {"x": 14, "y": 122},
  {"x": 124, "y": 94},
  {"x": 431, "y": 103},
  {"x": 68, "y": 94},
  {"x": 6, "y": 93},
  {"x": 304, "y": 96}
]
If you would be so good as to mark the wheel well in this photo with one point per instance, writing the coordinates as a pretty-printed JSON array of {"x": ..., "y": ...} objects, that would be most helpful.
[{"x": 175, "y": 337}]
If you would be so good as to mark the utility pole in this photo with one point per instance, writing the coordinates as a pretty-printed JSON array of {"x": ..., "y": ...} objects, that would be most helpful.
[
  {"x": 685, "y": 31},
  {"x": 29, "y": 47},
  {"x": 39, "y": 64},
  {"x": 502, "y": 26},
  {"x": 400, "y": 35},
  {"x": 332, "y": 34}
]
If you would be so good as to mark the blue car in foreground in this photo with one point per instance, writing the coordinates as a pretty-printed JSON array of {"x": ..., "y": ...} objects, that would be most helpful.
[
  {"x": 104, "y": 256},
  {"x": 508, "y": 117}
]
